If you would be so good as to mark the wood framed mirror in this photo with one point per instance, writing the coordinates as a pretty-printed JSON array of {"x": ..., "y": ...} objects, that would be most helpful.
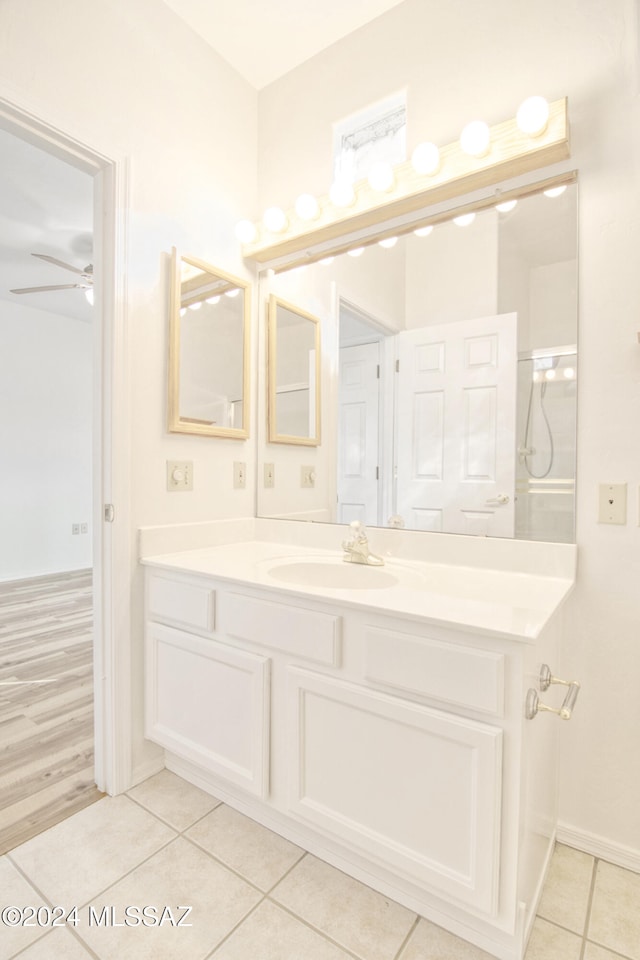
[
  {"x": 210, "y": 316},
  {"x": 293, "y": 374}
]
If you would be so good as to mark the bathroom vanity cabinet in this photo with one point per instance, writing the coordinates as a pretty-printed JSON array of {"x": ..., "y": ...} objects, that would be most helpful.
[{"x": 394, "y": 747}]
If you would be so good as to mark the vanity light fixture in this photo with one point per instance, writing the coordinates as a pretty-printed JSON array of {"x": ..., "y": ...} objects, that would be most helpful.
[
  {"x": 381, "y": 176},
  {"x": 356, "y": 252},
  {"x": 307, "y": 207},
  {"x": 506, "y": 206},
  {"x": 232, "y": 293},
  {"x": 464, "y": 219},
  {"x": 342, "y": 193},
  {"x": 494, "y": 155},
  {"x": 425, "y": 159},
  {"x": 195, "y": 305},
  {"x": 569, "y": 373},
  {"x": 327, "y": 261},
  {"x": 555, "y": 191},
  {"x": 275, "y": 220},
  {"x": 550, "y": 374},
  {"x": 212, "y": 300},
  {"x": 424, "y": 231},
  {"x": 475, "y": 139},
  {"x": 246, "y": 231},
  {"x": 388, "y": 242},
  {"x": 533, "y": 116}
]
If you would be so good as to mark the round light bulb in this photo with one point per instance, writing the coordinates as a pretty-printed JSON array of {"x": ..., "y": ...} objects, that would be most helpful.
[
  {"x": 464, "y": 219},
  {"x": 307, "y": 207},
  {"x": 213, "y": 300},
  {"x": 388, "y": 242},
  {"x": 533, "y": 116},
  {"x": 506, "y": 206},
  {"x": 232, "y": 293},
  {"x": 342, "y": 193},
  {"x": 327, "y": 261},
  {"x": 381, "y": 176},
  {"x": 550, "y": 374},
  {"x": 356, "y": 252},
  {"x": 426, "y": 159},
  {"x": 275, "y": 220},
  {"x": 183, "y": 310},
  {"x": 424, "y": 231},
  {"x": 475, "y": 139},
  {"x": 555, "y": 191},
  {"x": 569, "y": 373},
  {"x": 196, "y": 305},
  {"x": 246, "y": 231}
]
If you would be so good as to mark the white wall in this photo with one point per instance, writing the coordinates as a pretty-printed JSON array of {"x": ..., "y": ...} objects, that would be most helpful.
[
  {"x": 45, "y": 442},
  {"x": 460, "y": 60},
  {"x": 132, "y": 80}
]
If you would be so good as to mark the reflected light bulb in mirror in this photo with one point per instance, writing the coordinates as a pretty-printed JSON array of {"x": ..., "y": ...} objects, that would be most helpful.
[
  {"x": 183, "y": 310},
  {"x": 246, "y": 231},
  {"x": 356, "y": 252},
  {"x": 426, "y": 159},
  {"x": 533, "y": 116},
  {"x": 464, "y": 219},
  {"x": 327, "y": 261},
  {"x": 213, "y": 300},
  {"x": 550, "y": 374},
  {"x": 232, "y": 293},
  {"x": 569, "y": 373},
  {"x": 381, "y": 176},
  {"x": 424, "y": 231},
  {"x": 307, "y": 207},
  {"x": 342, "y": 193},
  {"x": 196, "y": 305},
  {"x": 555, "y": 191},
  {"x": 89, "y": 295},
  {"x": 275, "y": 220},
  {"x": 475, "y": 139},
  {"x": 506, "y": 206},
  {"x": 388, "y": 242}
]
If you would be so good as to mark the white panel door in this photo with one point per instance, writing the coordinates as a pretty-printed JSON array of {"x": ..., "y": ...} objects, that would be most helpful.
[
  {"x": 417, "y": 788},
  {"x": 456, "y": 426},
  {"x": 358, "y": 434},
  {"x": 209, "y": 703}
]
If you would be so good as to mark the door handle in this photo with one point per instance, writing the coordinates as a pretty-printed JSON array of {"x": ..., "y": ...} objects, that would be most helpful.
[{"x": 502, "y": 498}]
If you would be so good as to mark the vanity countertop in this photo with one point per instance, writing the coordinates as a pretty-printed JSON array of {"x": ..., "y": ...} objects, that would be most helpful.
[{"x": 470, "y": 598}]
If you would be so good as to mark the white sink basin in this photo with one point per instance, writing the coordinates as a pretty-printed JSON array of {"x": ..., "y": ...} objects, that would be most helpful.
[{"x": 334, "y": 573}]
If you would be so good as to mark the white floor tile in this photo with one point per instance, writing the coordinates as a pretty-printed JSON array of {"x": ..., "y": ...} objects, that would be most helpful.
[
  {"x": 179, "y": 876},
  {"x": 429, "y": 942},
  {"x": 76, "y": 859},
  {"x": 593, "y": 952},
  {"x": 15, "y": 891},
  {"x": 565, "y": 899},
  {"x": 548, "y": 942},
  {"x": 256, "y": 853},
  {"x": 59, "y": 944},
  {"x": 356, "y": 917},
  {"x": 270, "y": 933},
  {"x": 174, "y": 800},
  {"x": 615, "y": 910}
]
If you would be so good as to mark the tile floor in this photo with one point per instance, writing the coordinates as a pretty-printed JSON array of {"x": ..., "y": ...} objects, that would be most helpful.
[{"x": 256, "y": 896}]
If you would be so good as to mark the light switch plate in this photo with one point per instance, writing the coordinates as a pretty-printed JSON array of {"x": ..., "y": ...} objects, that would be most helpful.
[
  {"x": 179, "y": 475},
  {"x": 612, "y": 503},
  {"x": 269, "y": 475},
  {"x": 239, "y": 475},
  {"x": 307, "y": 477}
]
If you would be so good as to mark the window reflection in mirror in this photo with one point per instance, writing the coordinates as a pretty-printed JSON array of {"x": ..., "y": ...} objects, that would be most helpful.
[
  {"x": 449, "y": 371},
  {"x": 208, "y": 358},
  {"x": 294, "y": 375}
]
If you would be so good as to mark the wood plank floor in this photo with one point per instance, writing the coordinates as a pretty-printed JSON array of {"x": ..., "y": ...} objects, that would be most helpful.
[{"x": 46, "y": 728}]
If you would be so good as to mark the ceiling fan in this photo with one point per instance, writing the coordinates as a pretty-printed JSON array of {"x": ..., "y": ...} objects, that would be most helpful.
[{"x": 85, "y": 283}]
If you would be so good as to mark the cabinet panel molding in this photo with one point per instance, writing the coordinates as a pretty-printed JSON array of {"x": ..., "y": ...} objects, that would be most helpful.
[
  {"x": 415, "y": 787},
  {"x": 210, "y": 704},
  {"x": 176, "y": 601}
]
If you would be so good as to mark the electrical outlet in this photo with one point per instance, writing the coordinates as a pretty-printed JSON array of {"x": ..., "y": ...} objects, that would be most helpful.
[
  {"x": 612, "y": 503},
  {"x": 239, "y": 475},
  {"x": 75, "y": 528},
  {"x": 269, "y": 475},
  {"x": 307, "y": 477},
  {"x": 179, "y": 475}
]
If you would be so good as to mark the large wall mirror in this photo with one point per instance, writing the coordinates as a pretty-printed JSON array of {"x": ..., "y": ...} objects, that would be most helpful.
[
  {"x": 449, "y": 368},
  {"x": 293, "y": 374},
  {"x": 208, "y": 350}
]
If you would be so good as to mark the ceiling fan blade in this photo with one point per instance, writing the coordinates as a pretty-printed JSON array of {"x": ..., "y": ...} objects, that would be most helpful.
[
  {"x": 58, "y": 286},
  {"x": 58, "y": 263}
]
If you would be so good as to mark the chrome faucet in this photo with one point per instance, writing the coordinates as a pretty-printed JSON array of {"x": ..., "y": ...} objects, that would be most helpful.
[{"x": 356, "y": 549}]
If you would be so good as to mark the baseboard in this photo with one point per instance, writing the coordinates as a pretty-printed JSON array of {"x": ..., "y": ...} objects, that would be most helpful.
[
  {"x": 616, "y": 853},
  {"x": 148, "y": 768}
]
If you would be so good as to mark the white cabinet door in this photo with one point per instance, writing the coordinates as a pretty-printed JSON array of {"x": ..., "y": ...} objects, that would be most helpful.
[
  {"x": 209, "y": 703},
  {"x": 415, "y": 788},
  {"x": 456, "y": 426}
]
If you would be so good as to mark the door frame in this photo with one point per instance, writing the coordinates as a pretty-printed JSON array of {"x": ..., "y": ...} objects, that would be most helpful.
[{"x": 111, "y": 448}]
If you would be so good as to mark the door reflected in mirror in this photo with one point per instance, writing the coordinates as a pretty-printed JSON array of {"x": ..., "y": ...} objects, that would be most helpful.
[
  {"x": 209, "y": 350},
  {"x": 294, "y": 375},
  {"x": 448, "y": 375}
]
